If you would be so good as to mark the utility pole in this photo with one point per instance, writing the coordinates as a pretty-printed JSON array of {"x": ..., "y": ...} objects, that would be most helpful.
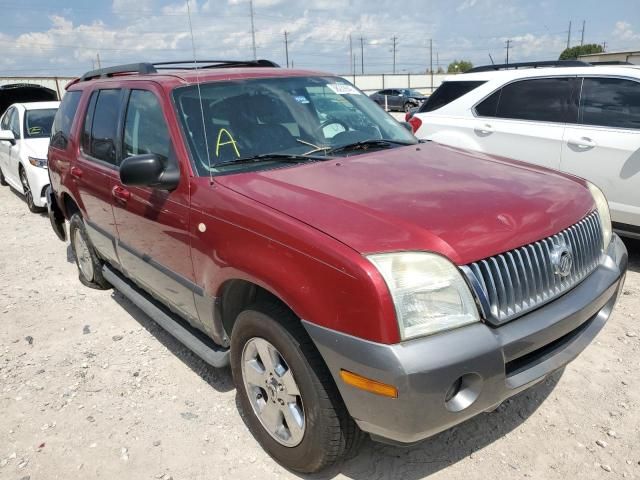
[
  {"x": 569, "y": 35},
  {"x": 351, "y": 65},
  {"x": 361, "y": 55},
  {"x": 98, "y": 58},
  {"x": 253, "y": 31},
  {"x": 394, "y": 39},
  {"x": 508, "y": 42},
  {"x": 286, "y": 47},
  {"x": 431, "y": 61},
  {"x": 604, "y": 46},
  {"x": 582, "y": 35},
  {"x": 438, "y": 60}
]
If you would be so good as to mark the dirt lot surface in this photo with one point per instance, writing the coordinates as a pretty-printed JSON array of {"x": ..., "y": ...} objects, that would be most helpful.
[{"x": 92, "y": 388}]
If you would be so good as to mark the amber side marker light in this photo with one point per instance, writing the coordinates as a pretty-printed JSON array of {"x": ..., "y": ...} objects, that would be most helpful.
[{"x": 368, "y": 385}]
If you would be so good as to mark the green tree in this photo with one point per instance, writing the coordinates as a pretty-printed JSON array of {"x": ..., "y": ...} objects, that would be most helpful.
[
  {"x": 573, "y": 52},
  {"x": 459, "y": 66}
]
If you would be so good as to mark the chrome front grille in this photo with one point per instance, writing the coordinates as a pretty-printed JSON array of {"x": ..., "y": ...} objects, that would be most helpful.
[{"x": 515, "y": 282}]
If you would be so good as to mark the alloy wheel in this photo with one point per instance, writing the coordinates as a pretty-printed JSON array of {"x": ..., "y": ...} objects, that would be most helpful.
[
  {"x": 27, "y": 189},
  {"x": 273, "y": 392},
  {"x": 83, "y": 255}
]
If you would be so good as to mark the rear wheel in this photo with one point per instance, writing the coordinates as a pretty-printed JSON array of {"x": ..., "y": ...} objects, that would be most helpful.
[
  {"x": 87, "y": 261},
  {"x": 286, "y": 392},
  {"x": 28, "y": 195}
]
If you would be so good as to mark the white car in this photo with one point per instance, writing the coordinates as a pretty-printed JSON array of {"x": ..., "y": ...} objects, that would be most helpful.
[
  {"x": 25, "y": 129},
  {"x": 581, "y": 119}
]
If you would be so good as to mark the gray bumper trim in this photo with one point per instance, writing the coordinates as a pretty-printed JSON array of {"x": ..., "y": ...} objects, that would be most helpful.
[{"x": 424, "y": 369}]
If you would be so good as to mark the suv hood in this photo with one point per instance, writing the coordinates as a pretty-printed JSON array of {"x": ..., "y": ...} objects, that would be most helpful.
[{"x": 466, "y": 206}]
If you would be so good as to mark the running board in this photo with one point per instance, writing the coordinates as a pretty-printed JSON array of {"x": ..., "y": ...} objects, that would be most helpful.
[{"x": 194, "y": 340}]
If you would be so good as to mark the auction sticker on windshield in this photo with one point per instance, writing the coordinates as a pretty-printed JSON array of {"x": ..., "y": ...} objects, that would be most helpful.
[{"x": 343, "y": 89}]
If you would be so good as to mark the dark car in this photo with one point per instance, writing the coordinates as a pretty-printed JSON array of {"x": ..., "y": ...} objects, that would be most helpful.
[
  {"x": 402, "y": 99},
  {"x": 356, "y": 280}
]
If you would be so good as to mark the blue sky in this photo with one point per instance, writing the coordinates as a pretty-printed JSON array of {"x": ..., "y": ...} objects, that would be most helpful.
[{"x": 42, "y": 37}]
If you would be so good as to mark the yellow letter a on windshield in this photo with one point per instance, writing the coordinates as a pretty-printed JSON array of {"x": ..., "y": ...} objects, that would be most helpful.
[{"x": 230, "y": 141}]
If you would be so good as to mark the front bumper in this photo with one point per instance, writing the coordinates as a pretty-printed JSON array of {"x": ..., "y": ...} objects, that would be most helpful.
[{"x": 493, "y": 363}]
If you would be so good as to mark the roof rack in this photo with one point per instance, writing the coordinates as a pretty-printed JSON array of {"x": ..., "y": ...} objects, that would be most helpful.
[
  {"x": 147, "y": 68},
  {"x": 547, "y": 63},
  {"x": 610, "y": 62}
]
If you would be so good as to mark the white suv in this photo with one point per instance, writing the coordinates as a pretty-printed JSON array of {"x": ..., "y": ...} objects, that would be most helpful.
[{"x": 582, "y": 119}]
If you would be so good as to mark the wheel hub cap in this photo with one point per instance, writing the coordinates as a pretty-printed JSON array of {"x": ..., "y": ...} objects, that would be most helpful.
[{"x": 273, "y": 392}]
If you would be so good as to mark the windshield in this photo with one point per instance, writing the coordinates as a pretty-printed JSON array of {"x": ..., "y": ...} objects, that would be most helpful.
[
  {"x": 413, "y": 93},
  {"x": 293, "y": 115},
  {"x": 37, "y": 123}
]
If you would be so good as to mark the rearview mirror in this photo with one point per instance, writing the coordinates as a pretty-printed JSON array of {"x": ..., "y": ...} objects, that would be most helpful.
[
  {"x": 149, "y": 170},
  {"x": 7, "y": 136}
]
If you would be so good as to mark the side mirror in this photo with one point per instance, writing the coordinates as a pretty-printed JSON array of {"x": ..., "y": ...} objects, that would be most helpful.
[
  {"x": 148, "y": 170},
  {"x": 7, "y": 136}
]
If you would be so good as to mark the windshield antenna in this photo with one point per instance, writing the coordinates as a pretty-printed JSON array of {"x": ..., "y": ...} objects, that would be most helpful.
[{"x": 195, "y": 65}]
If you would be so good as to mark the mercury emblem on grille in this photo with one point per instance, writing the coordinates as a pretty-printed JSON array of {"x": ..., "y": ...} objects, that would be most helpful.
[{"x": 562, "y": 260}]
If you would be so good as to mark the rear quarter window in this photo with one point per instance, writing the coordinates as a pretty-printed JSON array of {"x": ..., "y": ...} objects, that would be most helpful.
[
  {"x": 63, "y": 120},
  {"x": 447, "y": 93}
]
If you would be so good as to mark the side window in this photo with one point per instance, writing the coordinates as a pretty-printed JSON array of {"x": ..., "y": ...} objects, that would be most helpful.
[
  {"x": 610, "y": 102},
  {"x": 64, "y": 118},
  {"x": 447, "y": 93},
  {"x": 145, "y": 128},
  {"x": 489, "y": 106},
  {"x": 540, "y": 99},
  {"x": 14, "y": 123},
  {"x": 101, "y": 125},
  {"x": 4, "y": 125}
]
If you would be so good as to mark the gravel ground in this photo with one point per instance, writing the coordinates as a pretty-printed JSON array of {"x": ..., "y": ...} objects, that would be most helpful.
[{"x": 91, "y": 388}]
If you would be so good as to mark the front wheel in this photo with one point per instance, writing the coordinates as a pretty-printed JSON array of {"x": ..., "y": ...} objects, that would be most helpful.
[
  {"x": 286, "y": 392},
  {"x": 87, "y": 261},
  {"x": 28, "y": 194},
  {"x": 408, "y": 106}
]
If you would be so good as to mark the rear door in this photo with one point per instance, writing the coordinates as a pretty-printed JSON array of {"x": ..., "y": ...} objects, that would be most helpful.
[
  {"x": 153, "y": 225},
  {"x": 526, "y": 119},
  {"x": 95, "y": 169},
  {"x": 604, "y": 147}
]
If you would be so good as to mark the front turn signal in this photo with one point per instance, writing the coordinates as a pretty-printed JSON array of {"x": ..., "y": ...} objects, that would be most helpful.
[{"x": 368, "y": 385}]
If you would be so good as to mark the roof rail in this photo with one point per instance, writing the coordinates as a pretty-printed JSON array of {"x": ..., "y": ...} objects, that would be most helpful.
[
  {"x": 147, "y": 68},
  {"x": 546, "y": 63},
  {"x": 141, "y": 68},
  {"x": 610, "y": 62},
  {"x": 192, "y": 65}
]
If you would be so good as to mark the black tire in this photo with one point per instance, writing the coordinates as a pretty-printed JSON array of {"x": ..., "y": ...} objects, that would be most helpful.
[
  {"x": 408, "y": 106},
  {"x": 3, "y": 181},
  {"x": 90, "y": 277},
  {"x": 28, "y": 195},
  {"x": 330, "y": 433}
]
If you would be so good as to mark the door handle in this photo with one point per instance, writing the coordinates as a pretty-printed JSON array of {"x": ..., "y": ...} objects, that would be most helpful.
[
  {"x": 484, "y": 129},
  {"x": 76, "y": 172},
  {"x": 121, "y": 193},
  {"x": 583, "y": 143}
]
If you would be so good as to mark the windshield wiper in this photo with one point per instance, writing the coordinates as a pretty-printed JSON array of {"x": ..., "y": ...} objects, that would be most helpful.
[
  {"x": 366, "y": 144},
  {"x": 268, "y": 157}
]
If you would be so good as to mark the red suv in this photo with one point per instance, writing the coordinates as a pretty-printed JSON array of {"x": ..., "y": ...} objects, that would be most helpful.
[{"x": 355, "y": 279}]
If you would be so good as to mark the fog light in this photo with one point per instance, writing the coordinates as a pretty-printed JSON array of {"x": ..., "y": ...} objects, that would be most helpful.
[{"x": 463, "y": 392}]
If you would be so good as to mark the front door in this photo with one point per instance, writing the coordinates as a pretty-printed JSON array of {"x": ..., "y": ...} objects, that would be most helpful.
[
  {"x": 153, "y": 224},
  {"x": 604, "y": 147}
]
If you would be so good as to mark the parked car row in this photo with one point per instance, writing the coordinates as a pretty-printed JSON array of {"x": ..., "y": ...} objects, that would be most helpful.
[
  {"x": 583, "y": 120},
  {"x": 357, "y": 280}
]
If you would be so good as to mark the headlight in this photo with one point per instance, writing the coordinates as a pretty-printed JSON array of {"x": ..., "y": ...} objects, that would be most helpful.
[
  {"x": 38, "y": 162},
  {"x": 428, "y": 291},
  {"x": 603, "y": 212}
]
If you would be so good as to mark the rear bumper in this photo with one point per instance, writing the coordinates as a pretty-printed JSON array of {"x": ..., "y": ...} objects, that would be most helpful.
[{"x": 494, "y": 363}]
